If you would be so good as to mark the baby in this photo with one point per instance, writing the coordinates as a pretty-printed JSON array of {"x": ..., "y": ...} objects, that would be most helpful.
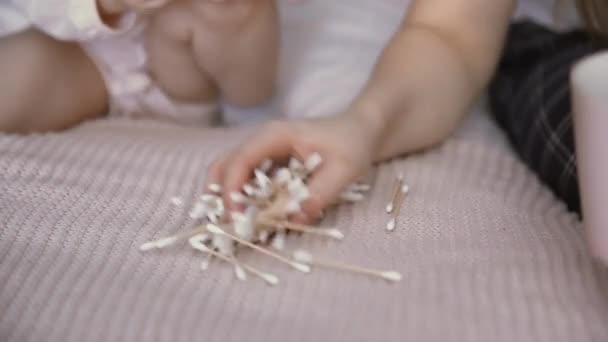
[{"x": 168, "y": 59}]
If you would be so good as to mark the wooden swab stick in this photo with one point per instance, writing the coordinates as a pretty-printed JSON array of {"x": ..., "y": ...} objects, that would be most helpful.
[
  {"x": 307, "y": 258},
  {"x": 329, "y": 232},
  {"x": 398, "y": 183},
  {"x": 392, "y": 224},
  {"x": 170, "y": 240},
  {"x": 403, "y": 191},
  {"x": 298, "y": 266}
]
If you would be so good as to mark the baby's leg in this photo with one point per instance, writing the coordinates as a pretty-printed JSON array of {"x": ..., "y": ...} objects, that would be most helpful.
[
  {"x": 171, "y": 58},
  {"x": 46, "y": 84},
  {"x": 237, "y": 43}
]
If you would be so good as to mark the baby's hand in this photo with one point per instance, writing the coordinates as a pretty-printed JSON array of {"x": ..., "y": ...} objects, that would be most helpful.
[{"x": 347, "y": 144}]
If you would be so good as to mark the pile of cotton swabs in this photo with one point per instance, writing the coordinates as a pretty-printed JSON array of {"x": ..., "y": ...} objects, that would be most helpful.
[{"x": 268, "y": 200}]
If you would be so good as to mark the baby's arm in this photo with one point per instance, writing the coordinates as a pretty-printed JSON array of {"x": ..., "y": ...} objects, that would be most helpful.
[{"x": 433, "y": 70}]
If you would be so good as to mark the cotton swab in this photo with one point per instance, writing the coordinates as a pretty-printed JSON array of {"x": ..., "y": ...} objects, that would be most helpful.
[
  {"x": 307, "y": 258},
  {"x": 313, "y": 162},
  {"x": 279, "y": 240},
  {"x": 352, "y": 196},
  {"x": 177, "y": 201},
  {"x": 403, "y": 191},
  {"x": 170, "y": 240},
  {"x": 269, "y": 198},
  {"x": 238, "y": 198},
  {"x": 239, "y": 271},
  {"x": 266, "y": 165},
  {"x": 391, "y": 225},
  {"x": 298, "y": 266}
]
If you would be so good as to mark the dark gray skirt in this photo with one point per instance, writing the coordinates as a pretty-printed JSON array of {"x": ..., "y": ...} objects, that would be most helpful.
[{"x": 530, "y": 99}]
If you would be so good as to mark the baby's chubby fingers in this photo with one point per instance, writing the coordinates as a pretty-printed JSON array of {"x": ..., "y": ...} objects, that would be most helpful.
[
  {"x": 325, "y": 187},
  {"x": 272, "y": 142},
  {"x": 215, "y": 173}
]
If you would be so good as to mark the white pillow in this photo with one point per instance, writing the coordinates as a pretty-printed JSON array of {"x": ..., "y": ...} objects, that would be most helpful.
[{"x": 328, "y": 49}]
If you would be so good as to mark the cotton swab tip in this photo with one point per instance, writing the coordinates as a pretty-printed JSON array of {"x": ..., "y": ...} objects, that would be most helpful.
[
  {"x": 147, "y": 246},
  {"x": 391, "y": 276},
  {"x": 214, "y": 229},
  {"x": 390, "y": 226},
  {"x": 198, "y": 243},
  {"x": 248, "y": 189},
  {"x": 271, "y": 279},
  {"x": 295, "y": 165},
  {"x": 177, "y": 201},
  {"x": 283, "y": 176},
  {"x": 212, "y": 217},
  {"x": 266, "y": 165},
  {"x": 336, "y": 234},
  {"x": 208, "y": 198},
  {"x": 405, "y": 189},
  {"x": 303, "y": 256},
  {"x": 390, "y": 207},
  {"x": 293, "y": 207},
  {"x": 278, "y": 242},
  {"x": 313, "y": 162},
  {"x": 215, "y": 188},
  {"x": 301, "y": 267},
  {"x": 240, "y": 273},
  {"x": 238, "y": 198},
  {"x": 162, "y": 243},
  {"x": 204, "y": 265},
  {"x": 263, "y": 236},
  {"x": 261, "y": 178}
]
